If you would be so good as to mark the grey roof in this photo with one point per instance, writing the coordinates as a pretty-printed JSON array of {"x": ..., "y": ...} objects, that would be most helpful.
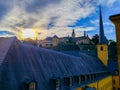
[
  {"x": 23, "y": 63},
  {"x": 82, "y": 37},
  {"x": 49, "y": 38},
  {"x": 55, "y": 36}
]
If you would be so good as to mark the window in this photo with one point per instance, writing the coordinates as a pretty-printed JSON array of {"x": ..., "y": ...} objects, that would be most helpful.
[
  {"x": 92, "y": 77},
  {"x": 68, "y": 81},
  {"x": 55, "y": 84},
  {"x": 88, "y": 77},
  {"x": 101, "y": 48},
  {"x": 95, "y": 76},
  {"x": 113, "y": 81},
  {"x": 32, "y": 86},
  {"x": 83, "y": 78},
  {"x": 77, "y": 79}
]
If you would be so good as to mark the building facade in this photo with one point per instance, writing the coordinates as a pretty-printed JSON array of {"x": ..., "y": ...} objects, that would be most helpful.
[
  {"x": 116, "y": 78},
  {"x": 55, "y": 40}
]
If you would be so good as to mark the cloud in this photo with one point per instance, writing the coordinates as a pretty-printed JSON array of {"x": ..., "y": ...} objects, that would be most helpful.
[
  {"x": 46, "y": 16},
  {"x": 95, "y": 22},
  {"x": 107, "y": 3}
]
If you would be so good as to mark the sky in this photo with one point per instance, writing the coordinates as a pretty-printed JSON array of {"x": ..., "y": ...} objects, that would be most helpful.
[{"x": 57, "y": 17}]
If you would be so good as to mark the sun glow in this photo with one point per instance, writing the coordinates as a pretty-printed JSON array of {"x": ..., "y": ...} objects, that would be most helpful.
[{"x": 28, "y": 33}]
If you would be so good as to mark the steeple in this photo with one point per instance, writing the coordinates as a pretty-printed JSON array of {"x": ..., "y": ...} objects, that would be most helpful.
[
  {"x": 73, "y": 34},
  {"x": 102, "y": 47},
  {"x": 84, "y": 33},
  {"x": 102, "y": 38}
]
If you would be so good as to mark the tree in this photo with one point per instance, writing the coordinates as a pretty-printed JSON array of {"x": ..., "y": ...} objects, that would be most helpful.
[
  {"x": 112, "y": 49},
  {"x": 95, "y": 39},
  {"x": 30, "y": 41}
]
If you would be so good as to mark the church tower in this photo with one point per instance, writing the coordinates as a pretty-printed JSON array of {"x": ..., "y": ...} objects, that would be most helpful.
[
  {"x": 73, "y": 34},
  {"x": 102, "y": 47}
]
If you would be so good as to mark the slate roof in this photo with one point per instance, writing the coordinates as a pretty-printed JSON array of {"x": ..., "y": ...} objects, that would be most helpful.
[
  {"x": 55, "y": 36},
  {"x": 82, "y": 37},
  {"x": 49, "y": 38},
  {"x": 23, "y": 63}
]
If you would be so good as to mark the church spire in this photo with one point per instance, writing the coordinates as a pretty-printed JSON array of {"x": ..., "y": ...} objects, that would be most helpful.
[
  {"x": 84, "y": 33},
  {"x": 102, "y": 38},
  {"x": 102, "y": 47},
  {"x": 73, "y": 34}
]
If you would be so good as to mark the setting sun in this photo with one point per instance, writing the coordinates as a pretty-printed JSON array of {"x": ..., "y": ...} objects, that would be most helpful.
[{"x": 28, "y": 33}]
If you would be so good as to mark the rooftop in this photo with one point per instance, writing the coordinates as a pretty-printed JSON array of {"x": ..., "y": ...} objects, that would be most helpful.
[{"x": 23, "y": 62}]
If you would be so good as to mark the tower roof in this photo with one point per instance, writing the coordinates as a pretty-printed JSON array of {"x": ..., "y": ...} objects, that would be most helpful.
[
  {"x": 84, "y": 33},
  {"x": 102, "y": 38},
  {"x": 73, "y": 33}
]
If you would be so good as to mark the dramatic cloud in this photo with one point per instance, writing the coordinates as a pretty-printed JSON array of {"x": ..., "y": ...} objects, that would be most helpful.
[{"x": 47, "y": 17}]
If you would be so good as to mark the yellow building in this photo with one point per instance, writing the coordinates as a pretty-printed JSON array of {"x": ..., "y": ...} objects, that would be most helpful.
[
  {"x": 103, "y": 84},
  {"x": 55, "y": 40},
  {"x": 116, "y": 79}
]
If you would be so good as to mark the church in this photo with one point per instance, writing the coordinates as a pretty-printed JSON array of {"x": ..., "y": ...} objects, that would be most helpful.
[
  {"x": 25, "y": 67},
  {"x": 54, "y": 41}
]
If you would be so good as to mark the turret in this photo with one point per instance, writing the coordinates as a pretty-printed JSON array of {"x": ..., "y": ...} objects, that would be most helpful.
[{"x": 73, "y": 34}]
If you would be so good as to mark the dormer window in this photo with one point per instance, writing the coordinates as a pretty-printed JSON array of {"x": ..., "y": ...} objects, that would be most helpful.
[
  {"x": 32, "y": 86},
  {"x": 68, "y": 81},
  {"x": 83, "y": 78},
  {"x": 77, "y": 79},
  {"x": 55, "y": 84}
]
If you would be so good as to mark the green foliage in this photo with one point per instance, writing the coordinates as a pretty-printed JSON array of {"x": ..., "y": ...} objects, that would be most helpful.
[
  {"x": 66, "y": 47},
  {"x": 95, "y": 39},
  {"x": 30, "y": 41},
  {"x": 112, "y": 49}
]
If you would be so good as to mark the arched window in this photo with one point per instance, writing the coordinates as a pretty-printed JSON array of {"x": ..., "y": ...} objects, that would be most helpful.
[{"x": 101, "y": 48}]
